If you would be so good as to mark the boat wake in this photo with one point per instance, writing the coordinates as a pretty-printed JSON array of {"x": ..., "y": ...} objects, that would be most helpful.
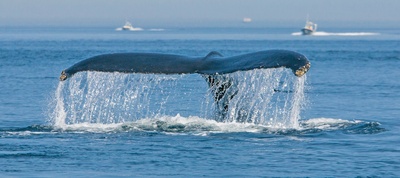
[
  {"x": 131, "y": 29},
  {"x": 141, "y": 29},
  {"x": 321, "y": 33},
  {"x": 156, "y": 29}
]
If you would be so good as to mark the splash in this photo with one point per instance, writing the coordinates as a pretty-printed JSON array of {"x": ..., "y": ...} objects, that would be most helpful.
[
  {"x": 272, "y": 97},
  {"x": 194, "y": 125},
  {"x": 268, "y": 97}
]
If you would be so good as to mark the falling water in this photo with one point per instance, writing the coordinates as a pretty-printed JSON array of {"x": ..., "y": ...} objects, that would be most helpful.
[{"x": 272, "y": 97}]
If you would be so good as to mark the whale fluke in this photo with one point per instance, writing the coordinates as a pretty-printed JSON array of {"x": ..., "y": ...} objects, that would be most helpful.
[{"x": 214, "y": 63}]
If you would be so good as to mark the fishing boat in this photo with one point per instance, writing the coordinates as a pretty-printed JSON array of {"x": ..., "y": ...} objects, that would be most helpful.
[
  {"x": 309, "y": 28},
  {"x": 128, "y": 27},
  {"x": 246, "y": 20}
]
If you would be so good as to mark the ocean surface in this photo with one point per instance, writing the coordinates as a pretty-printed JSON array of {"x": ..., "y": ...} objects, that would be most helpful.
[{"x": 339, "y": 120}]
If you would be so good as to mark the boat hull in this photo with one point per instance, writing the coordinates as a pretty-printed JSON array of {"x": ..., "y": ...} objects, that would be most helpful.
[{"x": 305, "y": 31}]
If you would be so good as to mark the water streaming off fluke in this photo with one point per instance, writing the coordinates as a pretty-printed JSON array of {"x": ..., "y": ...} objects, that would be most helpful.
[{"x": 270, "y": 97}]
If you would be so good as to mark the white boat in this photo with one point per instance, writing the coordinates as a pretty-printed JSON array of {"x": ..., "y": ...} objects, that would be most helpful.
[
  {"x": 247, "y": 20},
  {"x": 128, "y": 26},
  {"x": 309, "y": 28}
]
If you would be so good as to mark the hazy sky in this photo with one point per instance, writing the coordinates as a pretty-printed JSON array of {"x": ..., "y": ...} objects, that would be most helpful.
[{"x": 183, "y": 13}]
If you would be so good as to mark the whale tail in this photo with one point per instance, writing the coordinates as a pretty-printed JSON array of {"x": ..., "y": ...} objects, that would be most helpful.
[
  {"x": 63, "y": 76},
  {"x": 302, "y": 70},
  {"x": 212, "y": 67}
]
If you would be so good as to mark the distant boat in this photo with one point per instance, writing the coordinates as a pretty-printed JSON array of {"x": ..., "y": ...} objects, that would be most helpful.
[
  {"x": 309, "y": 28},
  {"x": 247, "y": 20},
  {"x": 128, "y": 27}
]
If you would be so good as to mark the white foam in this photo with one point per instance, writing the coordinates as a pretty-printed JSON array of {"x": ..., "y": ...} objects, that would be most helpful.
[
  {"x": 195, "y": 123},
  {"x": 172, "y": 124},
  {"x": 90, "y": 127},
  {"x": 296, "y": 33},
  {"x": 327, "y": 123},
  {"x": 198, "y": 126},
  {"x": 168, "y": 124},
  {"x": 27, "y": 133},
  {"x": 136, "y": 29}
]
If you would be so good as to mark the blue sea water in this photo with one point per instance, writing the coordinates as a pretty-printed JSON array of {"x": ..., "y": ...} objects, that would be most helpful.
[{"x": 340, "y": 120}]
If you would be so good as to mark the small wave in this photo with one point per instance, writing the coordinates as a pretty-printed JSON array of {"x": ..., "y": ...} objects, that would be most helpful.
[
  {"x": 22, "y": 154},
  {"x": 26, "y": 131},
  {"x": 346, "y": 126},
  {"x": 327, "y": 123},
  {"x": 157, "y": 29},
  {"x": 32, "y": 128},
  {"x": 338, "y": 34}
]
